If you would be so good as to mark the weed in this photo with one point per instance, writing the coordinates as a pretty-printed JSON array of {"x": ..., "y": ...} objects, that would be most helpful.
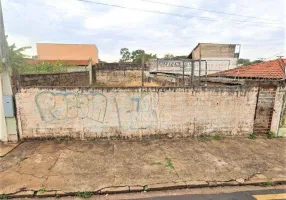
[
  {"x": 42, "y": 190},
  {"x": 156, "y": 163},
  {"x": 4, "y": 196},
  {"x": 145, "y": 187},
  {"x": 252, "y": 136},
  {"x": 169, "y": 163},
  {"x": 270, "y": 135},
  {"x": 204, "y": 138},
  {"x": 84, "y": 194},
  {"x": 268, "y": 183},
  {"x": 217, "y": 137}
]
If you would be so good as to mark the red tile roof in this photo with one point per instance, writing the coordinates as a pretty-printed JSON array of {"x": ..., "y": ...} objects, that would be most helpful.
[
  {"x": 273, "y": 69},
  {"x": 52, "y": 51},
  {"x": 70, "y": 62}
]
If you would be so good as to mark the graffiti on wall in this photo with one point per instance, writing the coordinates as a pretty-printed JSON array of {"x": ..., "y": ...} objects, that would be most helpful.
[{"x": 132, "y": 112}]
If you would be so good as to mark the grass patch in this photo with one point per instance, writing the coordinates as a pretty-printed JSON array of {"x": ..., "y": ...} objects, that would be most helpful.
[
  {"x": 84, "y": 195},
  {"x": 204, "y": 138},
  {"x": 4, "y": 196},
  {"x": 270, "y": 135},
  {"x": 251, "y": 136},
  {"x": 145, "y": 187},
  {"x": 217, "y": 137},
  {"x": 268, "y": 183},
  {"x": 42, "y": 190},
  {"x": 169, "y": 163}
]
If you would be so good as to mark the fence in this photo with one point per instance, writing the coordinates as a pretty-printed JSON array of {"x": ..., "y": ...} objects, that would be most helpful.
[
  {"x": 186, "y": 71},
  {"x": 117, "y": 74}
]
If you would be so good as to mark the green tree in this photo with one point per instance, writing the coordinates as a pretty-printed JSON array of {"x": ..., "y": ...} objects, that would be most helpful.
[
  {"x": 136, "y": 56},
  {"x": 17, "y": 58},
  {"x": 242, "y": 61},
  {"x": 125, "y": 54},
  {"x": 169, "y": 56},
  {"x": 180, "y": 57},
  {"x": 256, "y": 61}
]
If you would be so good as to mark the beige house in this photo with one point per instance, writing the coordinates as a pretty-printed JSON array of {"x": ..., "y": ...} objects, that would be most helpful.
[
  {"x": 67, "y": 52},
  {"x": 219, "y": 57}
]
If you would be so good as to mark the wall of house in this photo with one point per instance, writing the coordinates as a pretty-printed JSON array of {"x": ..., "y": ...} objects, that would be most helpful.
[
  {"x": 264, "y": 110},
  {"x": 55, "y": 79},
  {"x": 134, "y": 112},
  {"x": 217, "y": 50}
]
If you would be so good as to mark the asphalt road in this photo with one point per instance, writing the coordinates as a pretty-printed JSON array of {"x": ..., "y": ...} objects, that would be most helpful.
[{"x": 277, "y": 194}]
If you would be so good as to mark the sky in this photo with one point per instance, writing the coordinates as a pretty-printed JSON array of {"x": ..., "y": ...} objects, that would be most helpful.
[{"x": 259, "y": 28}]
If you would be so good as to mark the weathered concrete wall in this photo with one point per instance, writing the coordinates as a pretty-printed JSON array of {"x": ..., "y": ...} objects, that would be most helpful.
[
  {"x": 55, "y": 79},
  {"x": 134, "y": 112},
  {"x": 118, "y": 76},
  {"x": 278, "y": 124},
  {"x": 216, "y": 50}
]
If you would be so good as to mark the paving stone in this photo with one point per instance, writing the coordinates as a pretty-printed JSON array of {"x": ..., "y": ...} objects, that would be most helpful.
[
  {"x": 111, "y": 190},
  {"x": 166, "y": 186},
  {"x": 23, "y": 194},
  {"x": 46, "y": 194}
]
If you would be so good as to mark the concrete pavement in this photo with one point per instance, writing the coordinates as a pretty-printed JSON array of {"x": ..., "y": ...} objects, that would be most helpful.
[{"x": 48, "y": 168}]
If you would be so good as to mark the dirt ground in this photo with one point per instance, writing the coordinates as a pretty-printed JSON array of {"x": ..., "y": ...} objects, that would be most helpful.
[{"x": 72, "y": 166}]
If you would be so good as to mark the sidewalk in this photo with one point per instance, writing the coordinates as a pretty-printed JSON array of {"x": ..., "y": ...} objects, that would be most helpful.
[{"x": 106, "y": 166}]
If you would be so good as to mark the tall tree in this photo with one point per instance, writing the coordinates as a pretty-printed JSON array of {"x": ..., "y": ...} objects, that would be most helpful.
[
  {"x": 125, "y": 54},
  {"x": 136, "y": 56},
  {"x": 242, "y": 61},
  {"x": 169, "y": 56},
  {"x": 180, "y": 57},
  {"x": 16, "y": 56}
]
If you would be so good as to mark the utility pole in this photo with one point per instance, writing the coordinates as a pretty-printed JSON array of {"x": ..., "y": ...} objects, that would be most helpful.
[
  {"x": 8, "y": 126},
  {"x": 3, "y": 52},
  {"x": 3, "y": 128}
]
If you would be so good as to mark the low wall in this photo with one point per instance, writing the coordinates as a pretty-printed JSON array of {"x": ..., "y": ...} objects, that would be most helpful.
[
  {"x": 118, "y": 76},
  {"x": 134, "y": 112},
  {"x": 55, "y": 79}
]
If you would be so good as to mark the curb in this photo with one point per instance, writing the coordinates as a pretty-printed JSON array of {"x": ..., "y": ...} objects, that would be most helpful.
[{"x": 151, "y": 187}]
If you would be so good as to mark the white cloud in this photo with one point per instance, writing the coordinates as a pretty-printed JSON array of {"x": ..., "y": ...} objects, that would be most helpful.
[
  {"x": 111, "y": 28},
  {"x": 21, "y": 41}
]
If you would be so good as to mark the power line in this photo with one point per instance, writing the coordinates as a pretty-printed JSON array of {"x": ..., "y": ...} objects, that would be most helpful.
[
  {"x": 192, "y": 8},
  {"x": 176, "y": 15},
  {"x": 275, "y": 55}
]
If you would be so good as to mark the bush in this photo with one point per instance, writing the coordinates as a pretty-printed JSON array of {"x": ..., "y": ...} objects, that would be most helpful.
[{"x": 252, "y": 136}]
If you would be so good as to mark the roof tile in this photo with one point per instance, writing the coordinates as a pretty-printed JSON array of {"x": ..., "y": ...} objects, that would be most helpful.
[{"x": 273, "y": 69}]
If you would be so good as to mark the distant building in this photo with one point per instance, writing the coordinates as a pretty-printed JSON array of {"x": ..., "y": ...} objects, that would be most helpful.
[
  {"x": 78, "y": 54},
  {"x": 218, "y": 57}
]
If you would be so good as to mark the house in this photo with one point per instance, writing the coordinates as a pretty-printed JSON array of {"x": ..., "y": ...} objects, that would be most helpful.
[
  {"x": 75, "y": 53},
  {"x": 76, "y": 57},
  {"x": 267, "y": 77},
  {"x": 268, "y": 70},
  {"x": 217, "y": 57}
]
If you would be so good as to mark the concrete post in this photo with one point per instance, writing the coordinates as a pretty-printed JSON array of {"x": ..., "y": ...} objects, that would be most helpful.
[{"x": 3, "y": 128}]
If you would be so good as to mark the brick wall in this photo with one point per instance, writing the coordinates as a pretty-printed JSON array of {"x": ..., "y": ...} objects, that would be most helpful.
[
  {"x": 134, "y": 112},
  {"x": 264, "y": 110},
  {"x": 55, "y": 79}
]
